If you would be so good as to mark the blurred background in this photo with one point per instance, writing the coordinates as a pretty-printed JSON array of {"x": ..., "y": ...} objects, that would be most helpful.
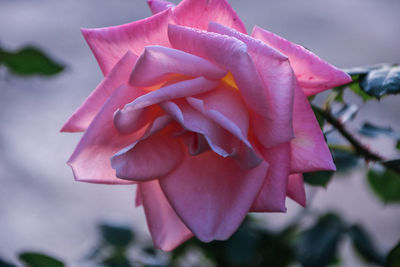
[{"x": 43, "y": 209}]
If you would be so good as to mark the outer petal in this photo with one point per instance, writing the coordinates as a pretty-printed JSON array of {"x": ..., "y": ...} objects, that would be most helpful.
[
  {"x": 149, "y": 158},
  {"x": 83, "y": 116},
  {"x": 133, "y": 114},
  {"x": 90, "y": 161},
  {"x": 211, "y": 194},
  {"x": 314, "y": 74},
  {"x": 309, "y": 150},
  {"x": 198, "y": 13},
  {"x": 296, "y": 190},
  {"x": 157, "y": 6},
  {"x": 228, "y": 52},
  {"x": 157, "y": 63},
  {"x": 279, "y": 82},
  {"x": 166, "y": 228},
  {"x": 273, "y": 193},
  {"x": 110, "y": 44}
]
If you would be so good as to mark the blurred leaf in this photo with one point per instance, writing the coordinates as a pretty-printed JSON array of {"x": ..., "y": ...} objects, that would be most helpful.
[
  {"x": 398, "y": 144},
  {"x": 344, "y": 160},
  {"x": 355, "y": 87},
  {"x": 393, "y": 258},
  {"x": 33, "y": 259},
  {"x": 362, "y": 243},
  {"x": 383, "y": 81},
  {"x": 320, "y": 178},
  {"x": 317, "y": 246},
  {"x": 29, "y": 61},
  {"x": 118, "y": 236},
  {"x": 6, "y": 264},
  {"x": 365, "y": 69},
  {"x": 385, "y": 184},
  {"x": 346, "y": 113},
  {"x": 371, "y": 130},
  {"x": 117, "y": 260},
  {"x": 319, "y": 117},
  {"x": 395, "y": 163}
]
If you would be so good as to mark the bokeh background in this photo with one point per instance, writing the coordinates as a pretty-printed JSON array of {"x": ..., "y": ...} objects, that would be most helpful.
[{"x": 43, "y": 209}]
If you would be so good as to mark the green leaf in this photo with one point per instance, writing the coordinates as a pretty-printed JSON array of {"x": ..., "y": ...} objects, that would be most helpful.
[
  {"x": 344, "y": 160},
  {"x": 364, "y": 70},
  {"x": 33, "y": 259},
  {"x": 6, "y": 264},
  {"x": 398, "y": 145},
  {"x": 363, "y": 244},
  {"x": 355, "y": 87},
  {"x": 385, "y": 184},
  {"x": 381, "y": 82},
  {"x": 118, "y": 236},
  {"x": 320, "y": 178},
  {"x": 317, "y": 246},
  {"x": 371, "y": 130},
  {"x": 29, "y": 61},
  {"x": 320, "y": 118},
  {"x": 393, "y": 258}
]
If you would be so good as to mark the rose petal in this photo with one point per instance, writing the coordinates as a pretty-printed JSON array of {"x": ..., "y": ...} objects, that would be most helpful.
[
  {"x": 211, "y": 194},
  {"x": 198, "y": 13},
  {"x": 296, "y": 190},
  {"x": 83, "y": 116},
  {"x": 134, "y": 114},
  {"x": 273, "y": 193},
  {"x": 279, "y": 81},
  {"x": 157, "y": 6},
  {"x": 228, "y": 52},
  {"x": 220, "y": 141},
  {"x": 166, "y": 228},
  {"x": 157, "y": 63},
  {"x": 110, "y": 44},
  {"x": 309, "y": 149},
  {"x": 149, "y": 158},
  {"x": 90, "y": 161},
  {"x": 314, "y": 74},
  {"x": 138, "y": 198}
]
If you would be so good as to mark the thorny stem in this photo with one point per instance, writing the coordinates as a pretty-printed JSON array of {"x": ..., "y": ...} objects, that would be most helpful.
[{"x": 359, "y": 148}]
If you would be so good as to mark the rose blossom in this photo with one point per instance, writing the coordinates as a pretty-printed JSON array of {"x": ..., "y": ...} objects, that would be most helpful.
[{"x": 210, "y": 123}]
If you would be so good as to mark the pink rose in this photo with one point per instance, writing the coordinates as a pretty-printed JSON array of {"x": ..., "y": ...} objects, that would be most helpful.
[{"x": 210, "y": 123}]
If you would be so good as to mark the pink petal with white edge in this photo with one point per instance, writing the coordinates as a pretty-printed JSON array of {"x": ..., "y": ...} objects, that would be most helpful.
[
  {"x": 227, "y": 52},
  {"x": 90, "y": 161},
  {"x": 309, "y": 149},
  {"x": 110, "y": 44},
  {"x": 279, "y": 81},
  {"x": 212, "y": 195},
  {"x": 157, "y": 63},
  {"x": 158, "y": 6},
  {"x": 296, "y": 189},
  {"x": 149, "y": 158},
  {"x": 135, "y": 113},
  {"x": 314, "y": 74},
  {"x": 166, "y": 228},
  {"x": 119, "y": 75},
  {"x": 198, "y": 13},
  {"x": 273, "y": 193}
]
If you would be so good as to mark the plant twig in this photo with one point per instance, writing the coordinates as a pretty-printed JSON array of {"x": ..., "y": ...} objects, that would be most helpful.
[{"x": 359, "y": 148}]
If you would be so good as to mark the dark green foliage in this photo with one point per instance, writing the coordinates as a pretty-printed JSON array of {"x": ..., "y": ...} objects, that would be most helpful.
[
  {"x": 29, "y": 61},
  {"x": 118, "y": 236},
  {"x": 318, "y": 245},
  {"x": 6, "y": 264},
  {"x": 364, "y": 246},
  {"x": 344, "y": 160},
  {"x": 320, "y": 178},
  {"x": 393, "y": 258},
  {"x": 33, "y": 259},
  {"x": 371, "y": 130},
  {"x": 385, "y": 184},
  {"x": 382, "y": 81}
]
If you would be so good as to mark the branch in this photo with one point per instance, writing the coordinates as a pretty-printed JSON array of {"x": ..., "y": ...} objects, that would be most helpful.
[{"x": 359, "y": 148}]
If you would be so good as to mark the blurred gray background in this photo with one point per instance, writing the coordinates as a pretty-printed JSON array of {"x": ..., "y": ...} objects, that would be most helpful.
[{"x": 43, "y": 209}]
